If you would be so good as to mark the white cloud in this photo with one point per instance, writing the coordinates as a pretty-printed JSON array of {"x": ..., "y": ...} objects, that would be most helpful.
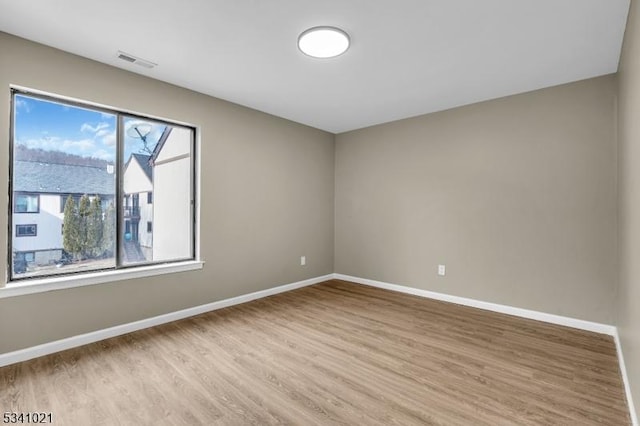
[
  {"x": 101, "y": 132},
  {"x": 47, "y": 143},
  {"x": 58, "y": 144},
  {"x": 103, "y": 155},
  {"x": 22, "y": 105},
  {"x": 109, "y": 139},
  {"x": 82, "y": 144},
  {"x": 86, "y": 127}
]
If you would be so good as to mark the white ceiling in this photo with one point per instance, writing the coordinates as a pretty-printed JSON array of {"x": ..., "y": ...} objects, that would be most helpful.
[{"x": 408, "y": 57}]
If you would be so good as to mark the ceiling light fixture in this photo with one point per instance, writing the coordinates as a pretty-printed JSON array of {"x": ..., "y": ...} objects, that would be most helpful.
[{"x": 323, "y": 42}]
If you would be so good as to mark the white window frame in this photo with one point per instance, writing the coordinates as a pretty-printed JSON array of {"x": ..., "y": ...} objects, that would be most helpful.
[{"x": 14, "y": 288}]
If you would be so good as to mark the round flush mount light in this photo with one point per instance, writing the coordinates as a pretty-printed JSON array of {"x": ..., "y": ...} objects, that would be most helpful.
[{"x": 323, "y": 42}]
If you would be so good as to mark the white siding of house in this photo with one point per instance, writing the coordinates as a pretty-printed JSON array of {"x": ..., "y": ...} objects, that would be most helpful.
[
  {"x": 172, "y": 212},
  {"x": 178, "y": 143},
  {"x": 49, "y": 221},
  {"x": 135, "y": 181}
]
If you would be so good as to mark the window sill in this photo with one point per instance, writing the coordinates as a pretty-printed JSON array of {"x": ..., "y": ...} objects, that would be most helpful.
[{"x": 71, "y": 281}]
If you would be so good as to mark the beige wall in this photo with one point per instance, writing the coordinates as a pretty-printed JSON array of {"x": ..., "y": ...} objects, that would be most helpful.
[
  {"x": 267, "y": 199},
  {"x": 629, "y": 201},
  {"x": 517, "y": 196}
]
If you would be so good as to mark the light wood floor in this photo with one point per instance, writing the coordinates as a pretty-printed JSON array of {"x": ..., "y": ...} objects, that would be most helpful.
[{"x": 333, "y": 353}]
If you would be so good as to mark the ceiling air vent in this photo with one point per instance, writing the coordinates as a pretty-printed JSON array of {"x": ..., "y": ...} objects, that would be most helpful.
[{"x": 135, "y": 60}]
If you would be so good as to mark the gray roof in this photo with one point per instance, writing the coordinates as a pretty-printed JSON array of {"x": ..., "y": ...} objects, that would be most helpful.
[
  {"x": 32, "y": 176},
  {"x": 143, "y": 160}
]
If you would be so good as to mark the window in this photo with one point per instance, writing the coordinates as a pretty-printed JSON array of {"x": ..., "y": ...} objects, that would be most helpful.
[
  {"x": 27, "y": 230},
  {"x": 83, "y": 169},
  {"x": 27, "y": 203},
  {"x": 29, "y": 256}
]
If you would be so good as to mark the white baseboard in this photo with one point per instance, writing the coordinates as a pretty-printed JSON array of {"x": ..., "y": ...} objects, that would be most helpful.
[
  {"x": 625, "y": 380},
  {"x": 83, "y": 339},
  {"x": 95, "y": 336},
  {"x": 504, "y": 309}
]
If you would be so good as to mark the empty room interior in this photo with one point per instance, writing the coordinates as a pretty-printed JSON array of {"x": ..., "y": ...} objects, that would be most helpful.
[{"x": 356, "y": 212}]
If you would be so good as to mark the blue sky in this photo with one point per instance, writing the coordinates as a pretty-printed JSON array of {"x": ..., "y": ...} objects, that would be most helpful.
[{"x": 57, "y": 127}]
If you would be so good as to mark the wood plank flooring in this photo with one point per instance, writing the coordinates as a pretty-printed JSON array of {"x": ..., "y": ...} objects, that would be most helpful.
[{"x": 333, "y": 353}]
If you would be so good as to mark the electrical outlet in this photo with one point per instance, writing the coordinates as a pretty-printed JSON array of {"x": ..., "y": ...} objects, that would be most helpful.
[
  {"x": 442, "y": 270},
  {"x": 303, "y": 260}
]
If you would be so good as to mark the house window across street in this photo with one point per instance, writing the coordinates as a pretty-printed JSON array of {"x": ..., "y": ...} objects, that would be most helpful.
[
  {"x": 87, "y": 183},
  {"x": 26, "y": 203},
  {"x": 27, "y": 230}
]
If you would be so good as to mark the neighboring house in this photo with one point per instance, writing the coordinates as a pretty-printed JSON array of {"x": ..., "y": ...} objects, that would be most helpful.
[
  {"x": 138, "y": 207},
  {"x": 38, "y": 205},
  {"x": 172, "y": 213},
  {"x": 157, "y": 208}
]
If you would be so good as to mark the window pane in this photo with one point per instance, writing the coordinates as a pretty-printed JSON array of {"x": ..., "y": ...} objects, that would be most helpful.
[
  {"x": 26, "y": 230},
  {"x": 63, "y": 173},
  {"x": 156, "y": 195},
  {"x": 26, "y": 203}
]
